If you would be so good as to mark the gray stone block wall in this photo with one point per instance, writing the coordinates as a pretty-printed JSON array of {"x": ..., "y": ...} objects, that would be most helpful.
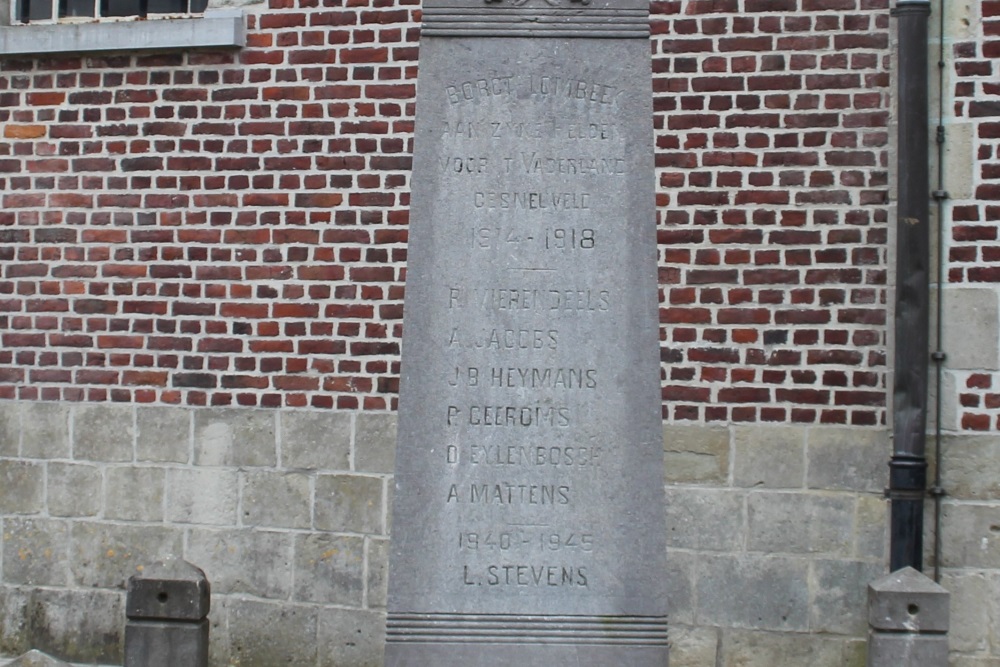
[
  {"x": 773, "y": 533},
  {"x": 285, "y": 511}
]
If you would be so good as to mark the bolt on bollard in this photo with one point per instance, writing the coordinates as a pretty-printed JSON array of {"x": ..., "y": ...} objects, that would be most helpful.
[
  {"x": 908, "y": 619},
  {"x": 166, "y": 607}
]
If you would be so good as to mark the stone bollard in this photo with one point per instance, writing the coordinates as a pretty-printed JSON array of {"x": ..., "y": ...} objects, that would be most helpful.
[
  {"x": 37, "y": 659},
  {"x": 908, "y": 621},
  {"x": 167, "y": 610}
]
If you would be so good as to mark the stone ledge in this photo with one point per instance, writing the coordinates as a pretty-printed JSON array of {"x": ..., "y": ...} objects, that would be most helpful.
[{"x": 224, "y": 28}]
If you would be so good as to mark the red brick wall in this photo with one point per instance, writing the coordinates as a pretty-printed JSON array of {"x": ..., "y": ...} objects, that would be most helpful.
[
  {"x": 974, "y": 246},
  {"x": 229, "y": 228}
]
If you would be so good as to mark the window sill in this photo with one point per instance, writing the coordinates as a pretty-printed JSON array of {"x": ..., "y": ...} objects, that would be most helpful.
[{"x": 216, "y": 29}]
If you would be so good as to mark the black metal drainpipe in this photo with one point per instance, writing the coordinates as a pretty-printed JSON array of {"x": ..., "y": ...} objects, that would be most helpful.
[{"x": 908, "y": 467}]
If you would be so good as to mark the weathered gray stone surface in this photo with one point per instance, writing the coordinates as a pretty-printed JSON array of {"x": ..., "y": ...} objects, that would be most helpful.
[
  {"x": 763, "y": 592},
  {"x": 689, "y": 511},
  {"x": 329, "y": 568},
  {"x": 22, "y": 487},
  {"x": 529, "y": 480},
  {"x": 202, "y": 495},
  {"x": 972, "y": 467},
  {"x": 375, "y": 442},
  {"x": 103, "y": 433},
  {"x": 250, "y": 562},
  {"x": 848, "y": 459},
  {"x": 695, "y": 454},
  {"x": 10, "y": 428},
  {"x": 74, "y": 490},
  {"x": 234, "y": 437},
  {"x": 354, "y": 638},
  {"x": 135, "y": 494},
  {"x": 36, "y": 552},
  {"x": 106, "y": 555},
  {"x": 290, "y": 639},
  {"x": 349, "y": 503},
  {"x": 768, "y": 457},
  {"x": 45, "y": 430},
  {"x": 276, "y": 499},
  {"x": 800, "y": 523},
  {"x": 315, "y": 440},
  {"x": 971, "y": 322},
  {"x": 163, "y": 435}
]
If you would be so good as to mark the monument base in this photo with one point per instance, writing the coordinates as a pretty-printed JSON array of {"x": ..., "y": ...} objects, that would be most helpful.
[{"x": 525, "y": 655}]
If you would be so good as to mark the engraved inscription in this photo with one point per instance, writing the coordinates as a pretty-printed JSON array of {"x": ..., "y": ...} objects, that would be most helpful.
[
  {"x": 538, "y": 300},
  {"x": 537, "y": 86},
  {"x": 539, "y": 456},
  {"x": 509, "y": 415}
]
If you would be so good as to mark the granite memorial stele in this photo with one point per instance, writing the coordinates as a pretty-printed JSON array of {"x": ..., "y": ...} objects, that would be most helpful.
[{"x": 528, "y": 517}]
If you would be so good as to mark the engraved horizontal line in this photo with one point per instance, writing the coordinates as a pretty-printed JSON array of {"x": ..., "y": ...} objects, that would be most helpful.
[
  {"x": 520, "y": 22},
  {"x": 514, "y": 629},
  {"x": 602, "y": 641},
  {"x": 478, "y": 11},
  {"x": 493, "y": 32}
]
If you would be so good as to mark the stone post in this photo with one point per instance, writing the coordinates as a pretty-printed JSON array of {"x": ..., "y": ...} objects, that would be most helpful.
[
  {"x": 167, "y": 610},
  {"x": 908, "y": 621}
]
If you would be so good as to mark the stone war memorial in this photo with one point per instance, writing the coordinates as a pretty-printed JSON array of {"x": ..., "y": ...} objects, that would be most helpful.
[{"x": 529, "y": 509}]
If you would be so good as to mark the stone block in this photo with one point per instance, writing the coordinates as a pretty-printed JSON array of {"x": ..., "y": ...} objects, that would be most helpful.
[
  {"x": 329, "y": 569},
  {"x": 134, "y": 494},
  {"x": 801, "y": 523},
  {"x": 971, "y": 335},
  {"x": 14, "y": 630},
  {"x": 971, "y": 610},
  {"x": 22, "y": 487},
  {"x": 250, "y": 562},
  {"x": 202, "y": 495},
  {"x": 276, "y": 499},
  {"x": 103, "y": 433},
  {"x": 265, "y": 634},
  {"x": 693, "y": 647},
  {"x": 375, "y": 442},
  {"x": 74, "y": 489},
  {"x": 316, "y": 440},
  {"x": 950, "y": 407},
  {"x": 842, "y": 459},
  {"x": 10, "y": 428},
  {"x": 971, "y": 467},
  {"x": 234, "y": 437},
  {"x": 165, "y": 644},
  {"x": 35, "y": 552},
  {"x": 900, "y": 649},
  {"x": 695, "y": 454},
  {"x": 753, "y": 592},
  {"x": 705, "y": 519},
  {"x": 771, "y": 649},
  {"x": 971, "y": 534},
  {"x": 45, "y": 430},
  {"x": 163, "y": 435},
  {"x": 350, "y": 637},
  {"x": 106, "y": 555},
  {"x": 872, "y": 528},
  {"x": 377, "y": 567},
  {"x": 681, "y": 571},
  {"x": 218, "y": 631},
  {"x": 840, "y": 593},
  {"x": 349, "y": 503},
  {"x": 168, "y": 590},
  {"x": 769, "y": 456},
  {"x": 83, "y": 626}
]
